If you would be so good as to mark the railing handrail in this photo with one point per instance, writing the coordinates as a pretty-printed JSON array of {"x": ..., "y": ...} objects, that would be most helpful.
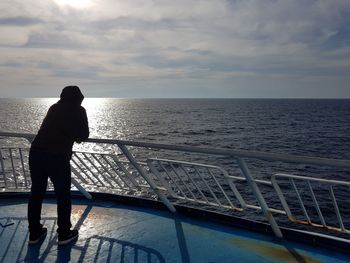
[
  {"x": 214, "y": 151},
  {"x": 162, "y": 191}
]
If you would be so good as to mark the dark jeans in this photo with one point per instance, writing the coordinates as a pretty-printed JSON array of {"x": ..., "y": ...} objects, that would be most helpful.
[{"x": 42, "y": 166}]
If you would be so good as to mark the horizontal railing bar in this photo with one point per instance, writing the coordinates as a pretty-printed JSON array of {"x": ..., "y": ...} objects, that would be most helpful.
[
  {"x": 93, "y": 152},
  {"x": 213, "y": 151},
  {"x": 304, "y": 178},
  {"x": 272, "y": 210},
  {"x": 186, "y": 163},
  {"x": 210, "y": 203},
  {"x": 239, "y": 178},
  {"x": 14, "y": 148}
]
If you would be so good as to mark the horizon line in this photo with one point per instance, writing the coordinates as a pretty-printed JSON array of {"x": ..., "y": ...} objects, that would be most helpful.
[{"x": 226, "y": 98}]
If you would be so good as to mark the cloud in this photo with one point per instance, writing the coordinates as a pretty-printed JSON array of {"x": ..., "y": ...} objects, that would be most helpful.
[
  {"x": 191, "y": 43},
  {"x": 19, "y": 21}
]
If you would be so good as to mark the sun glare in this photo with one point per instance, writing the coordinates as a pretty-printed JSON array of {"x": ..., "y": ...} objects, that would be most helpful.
[{"x": 74, "y": 3}]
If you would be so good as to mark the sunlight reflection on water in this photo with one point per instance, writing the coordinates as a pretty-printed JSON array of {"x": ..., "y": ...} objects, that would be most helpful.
[
  {"x": 307, "y": 127},
  {"x": 104, "y": 117}
]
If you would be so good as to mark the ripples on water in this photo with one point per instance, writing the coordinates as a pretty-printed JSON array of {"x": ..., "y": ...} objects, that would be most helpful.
[
  {"x": 308, "y": 127},
  {"x": 318, "y": 128},
  {"x": 312, "y": 127}
]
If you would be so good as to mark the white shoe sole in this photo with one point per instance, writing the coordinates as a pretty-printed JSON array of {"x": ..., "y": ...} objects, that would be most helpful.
[
  {"x": 36, "y": 241},
  {"x": 65, "y": 242}
]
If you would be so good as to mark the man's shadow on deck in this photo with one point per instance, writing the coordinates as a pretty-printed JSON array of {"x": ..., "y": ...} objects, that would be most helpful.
[{"x": 63, "y": 253}]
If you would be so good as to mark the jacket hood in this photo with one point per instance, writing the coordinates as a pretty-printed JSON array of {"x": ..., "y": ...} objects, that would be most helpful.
[{"x": 72, "y": 95}]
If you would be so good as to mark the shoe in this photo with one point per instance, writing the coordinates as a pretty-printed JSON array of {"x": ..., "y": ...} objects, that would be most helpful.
[
  {"x": 34, "y": 238},
  {"x": 67, "y": 238}
]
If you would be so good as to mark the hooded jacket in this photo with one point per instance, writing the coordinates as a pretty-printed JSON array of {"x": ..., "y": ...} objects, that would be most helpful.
[{"x": 65, "y": 123}]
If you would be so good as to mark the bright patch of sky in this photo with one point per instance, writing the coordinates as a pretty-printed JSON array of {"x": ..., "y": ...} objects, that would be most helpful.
[{"x": 182, "y": 48}]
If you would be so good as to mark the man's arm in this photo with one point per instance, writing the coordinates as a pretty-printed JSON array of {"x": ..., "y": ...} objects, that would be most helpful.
[{"x": 82, "y": 126}]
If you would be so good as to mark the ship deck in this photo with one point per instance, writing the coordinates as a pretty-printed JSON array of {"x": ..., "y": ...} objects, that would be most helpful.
[{"x": 111, "y": 231}]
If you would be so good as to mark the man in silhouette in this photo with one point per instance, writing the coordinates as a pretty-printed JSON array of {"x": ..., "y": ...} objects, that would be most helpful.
[{"x": 50, "y": 153}]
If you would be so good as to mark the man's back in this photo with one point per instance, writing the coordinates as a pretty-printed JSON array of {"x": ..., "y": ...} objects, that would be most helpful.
[{"x": 65, "y": 122}]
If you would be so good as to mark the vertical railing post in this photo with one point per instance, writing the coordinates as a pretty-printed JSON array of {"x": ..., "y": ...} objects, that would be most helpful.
[
  {"x": 13, "y": 168},
  {"x": 3, "y": 168},
  {"x": 80, "y": 188},
  {"x": 264, "y": 208},
  {"x": 155, "y": 171},
  {"x": 143, "y": 173},
  {"x": 23, "y": 168}
]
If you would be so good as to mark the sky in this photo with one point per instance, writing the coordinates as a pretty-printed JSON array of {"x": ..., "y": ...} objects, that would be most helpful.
[{"x": 176, "y": 49}]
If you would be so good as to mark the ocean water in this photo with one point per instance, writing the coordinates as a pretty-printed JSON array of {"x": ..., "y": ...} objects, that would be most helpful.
[
  {"x": 317, "y": 128},
  {"x": 305, "y": 127}
]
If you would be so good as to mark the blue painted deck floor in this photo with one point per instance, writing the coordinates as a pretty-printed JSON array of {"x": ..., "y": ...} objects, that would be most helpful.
[{"x": 118, "y": 233}]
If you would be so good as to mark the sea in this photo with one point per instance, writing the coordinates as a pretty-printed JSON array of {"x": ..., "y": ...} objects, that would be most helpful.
[
  {"x": 307, "y": 127},
  {"x": 312, "y": 127}
]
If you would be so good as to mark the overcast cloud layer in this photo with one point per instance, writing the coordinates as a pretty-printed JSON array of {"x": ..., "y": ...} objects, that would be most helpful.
[{"x": 182, "y": 48}]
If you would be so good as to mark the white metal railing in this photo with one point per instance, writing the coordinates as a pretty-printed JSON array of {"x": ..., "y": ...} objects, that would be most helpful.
[
  {"x": 202, "y": 184},
  {"x": 16, "y": 175},
  {"x": 310, "y": 184},
  {"x": 103, "y": 170},
  {"x": 197, "y": 183},
  {"x": 14, "y": 171},
  {"x": 173, "y": 180}
]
